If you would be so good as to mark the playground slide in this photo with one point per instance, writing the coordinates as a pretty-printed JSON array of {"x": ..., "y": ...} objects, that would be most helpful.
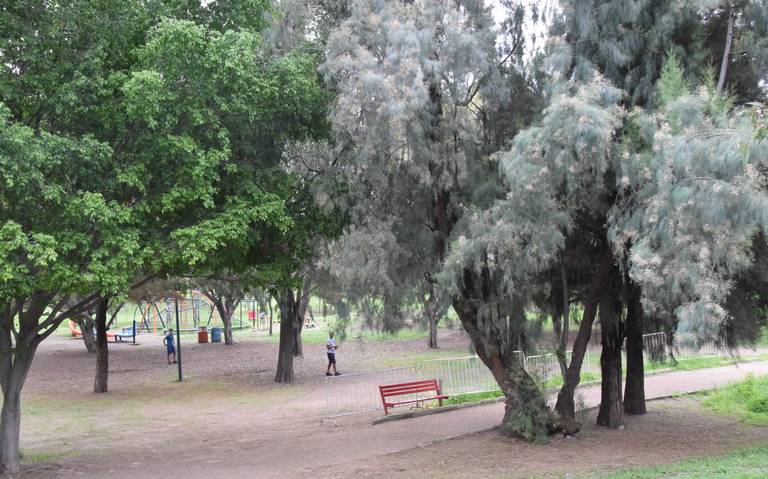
[{"x": 75, "y": 330}]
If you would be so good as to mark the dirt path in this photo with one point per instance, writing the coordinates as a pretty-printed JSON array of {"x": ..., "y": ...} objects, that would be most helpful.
[{"x": 283, "y": 442}]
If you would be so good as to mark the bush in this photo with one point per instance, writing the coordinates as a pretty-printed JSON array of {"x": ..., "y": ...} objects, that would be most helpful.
[
  {"x": 758, "y": 405},
  {"x": 747, "y": 400}
]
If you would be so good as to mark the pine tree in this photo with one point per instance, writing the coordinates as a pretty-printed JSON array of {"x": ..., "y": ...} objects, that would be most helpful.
[{"x": 419, "y": 85}]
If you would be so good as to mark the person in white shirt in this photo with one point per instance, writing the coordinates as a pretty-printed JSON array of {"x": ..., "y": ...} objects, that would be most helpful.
[{"x": 331, "y": 347}]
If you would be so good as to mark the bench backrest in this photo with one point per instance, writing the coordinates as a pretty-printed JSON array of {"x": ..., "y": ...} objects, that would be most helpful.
[{"x": 409, "y": 388}]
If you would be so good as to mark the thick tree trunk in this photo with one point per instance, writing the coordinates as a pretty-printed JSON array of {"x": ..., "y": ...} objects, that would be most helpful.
[
  {"x": 10, "y": 418},
  {"x": 10, "y": 430},
  {"x": 526, "y": 413},
  {"x": 634, "y": 392},
  {"x": 86, "y": 325},
  {"x": 611, "y": 413},
  {"x": 101, "y": 380},
  {"x": 289, "y": 331},
  {"x": 14, "y": 366},
  {"x": 566, "y": 405}
]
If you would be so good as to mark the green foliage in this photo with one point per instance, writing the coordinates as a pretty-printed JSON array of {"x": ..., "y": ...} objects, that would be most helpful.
[
  {"x": 746, "y": 400},
  {"x": 750, "y": 463},
  {"x": 672, "y": 84},
  {"x": 703, "y": 175},
  {"x": 472, "y": 397}
]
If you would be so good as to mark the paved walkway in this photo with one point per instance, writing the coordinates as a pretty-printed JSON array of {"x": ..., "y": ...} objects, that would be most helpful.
[{"x": 311, "y": 447}]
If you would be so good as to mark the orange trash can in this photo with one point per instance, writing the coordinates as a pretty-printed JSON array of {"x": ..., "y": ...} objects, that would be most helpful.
[{"x": 202, "y": 334}]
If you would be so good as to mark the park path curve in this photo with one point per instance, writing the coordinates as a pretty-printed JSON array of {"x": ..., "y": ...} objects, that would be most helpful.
[{"x": 302, "y": 449}]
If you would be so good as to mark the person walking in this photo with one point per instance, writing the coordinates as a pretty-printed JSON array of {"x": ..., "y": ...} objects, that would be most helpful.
[{"x": 331, "y": 346}]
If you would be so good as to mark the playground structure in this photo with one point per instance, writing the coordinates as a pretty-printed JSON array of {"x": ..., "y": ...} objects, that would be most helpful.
[
  {"x": 116, "y": 337},
  {"x": 195, "y": 311}
]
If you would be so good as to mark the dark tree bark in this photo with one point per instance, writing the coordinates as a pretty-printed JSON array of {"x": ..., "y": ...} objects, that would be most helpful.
[
  {"x": 526, "y": 413},
  {"x": 566, "y": 405},
  {"x": 86, "y": 325},
  {"x": 611, "y": 412},
  {"x": 101, "y": 380},
  {"x": 290, "y": 332},
  {"x": 634, "y": 392}
]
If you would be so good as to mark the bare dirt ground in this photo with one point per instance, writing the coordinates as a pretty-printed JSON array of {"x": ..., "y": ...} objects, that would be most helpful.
[
  {"x": 228, "y": 419},
  {"x": 673, "y": 429}
]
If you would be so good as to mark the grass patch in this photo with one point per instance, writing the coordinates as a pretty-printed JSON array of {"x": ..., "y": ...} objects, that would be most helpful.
[
  {"x": 411, "y": 360},
  {"x": 31, "y": 456},
  {"x": 746, "y": 400},
  {"x": 751, "y": 463},
  {"x": 472, "y": 397},
  {"x": 692, "y": 364}
]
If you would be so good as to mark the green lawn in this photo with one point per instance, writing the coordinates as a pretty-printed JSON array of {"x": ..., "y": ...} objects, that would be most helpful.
[
  {"x": 691, "y": 364},
  {"x": 749, "y": 463},
  {"x": 746, "y": 400},
  {"x": 472, "y": 397}
]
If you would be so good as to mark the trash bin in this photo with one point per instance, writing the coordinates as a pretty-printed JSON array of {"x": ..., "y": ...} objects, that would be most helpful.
[
  {"x": 215, "y": 335},
  {"x": 202, "y": 334}
]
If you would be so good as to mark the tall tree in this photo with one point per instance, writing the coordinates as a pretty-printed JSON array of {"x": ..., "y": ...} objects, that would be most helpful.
[{"x": 418, "y": 87}]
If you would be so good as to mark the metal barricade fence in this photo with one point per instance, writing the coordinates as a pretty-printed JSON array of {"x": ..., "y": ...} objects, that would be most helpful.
[
  {"x": 463, "y": 375},
  {"x": 358, "y": 393},
  {"x": 689, "y": 347},
  {"x": 543, "y": 367},
  {"x": 655, "y": 347}
]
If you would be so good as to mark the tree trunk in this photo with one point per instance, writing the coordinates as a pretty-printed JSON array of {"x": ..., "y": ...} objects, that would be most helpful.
[
  {"x": 726, "y": 53},
  {"x": 303, "y": 296},
  {"x": 269, "y": 303},
  {"x": 526, "y": 413},
  {"x": 228, "y": 336},
  {"x": 101, "y": 380},
  {"x": 226, "y": 307},
  {"x": 14, "y": 365},
  {"x": 566, "y": 405},
  {"x": 432, "y": 331},
  {"x": 611, "y": 413},
  {"x": 432, "y": 312},
  {"x": 634, "y": 392},
  {"x": 10, "y": 430},
  {"x": 86, "y": 325},
  {"x": 289, "y": 329},
  {"x": 10, "y": 418}
]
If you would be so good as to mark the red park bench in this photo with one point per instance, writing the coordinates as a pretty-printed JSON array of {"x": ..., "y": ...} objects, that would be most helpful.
[{"x": 415, "y": 387}]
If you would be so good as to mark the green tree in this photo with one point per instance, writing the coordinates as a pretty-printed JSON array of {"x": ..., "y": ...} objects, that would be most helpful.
[{"x": 419, "y": 86}]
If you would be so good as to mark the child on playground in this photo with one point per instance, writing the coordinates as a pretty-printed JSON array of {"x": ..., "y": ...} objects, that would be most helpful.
[
  {"x": 170, "y": 348},
  {"x": 331, "y": 347}
]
